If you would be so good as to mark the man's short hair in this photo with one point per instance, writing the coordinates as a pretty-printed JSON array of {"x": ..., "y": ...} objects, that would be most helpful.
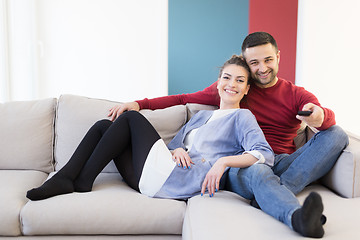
[{"x": 256, "y": 39}]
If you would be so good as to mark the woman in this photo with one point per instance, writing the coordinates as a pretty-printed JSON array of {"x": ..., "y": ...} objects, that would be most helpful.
[{"x": 194, "y": 161}]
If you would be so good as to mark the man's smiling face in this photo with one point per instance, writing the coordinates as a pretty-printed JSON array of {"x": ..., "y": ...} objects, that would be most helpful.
[{"x": 263, "y": 61}]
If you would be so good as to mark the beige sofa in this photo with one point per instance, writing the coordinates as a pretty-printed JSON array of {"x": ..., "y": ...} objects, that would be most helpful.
[{"x": 38, "y": 137}]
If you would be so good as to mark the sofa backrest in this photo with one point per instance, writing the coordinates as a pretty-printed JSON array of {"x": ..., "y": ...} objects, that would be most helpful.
[
  {"x": 26, "y": 135},
  {"x": 76, "y": 114},
  {"x": 36, "y": 134}
]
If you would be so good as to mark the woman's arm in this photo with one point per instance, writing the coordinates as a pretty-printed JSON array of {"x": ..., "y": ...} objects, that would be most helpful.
[
  {"x": 212, "y": 178},
  {"x": 255, "y": 149}
]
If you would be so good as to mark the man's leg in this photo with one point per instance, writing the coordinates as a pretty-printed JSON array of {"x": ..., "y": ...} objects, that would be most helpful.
[
  {"x": 275, "y": 199},
  {"x": 258, "y": 181},
  {"x": 312, "y": 161}
]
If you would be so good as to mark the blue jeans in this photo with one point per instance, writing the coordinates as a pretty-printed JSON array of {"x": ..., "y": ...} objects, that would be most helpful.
[{"x": 274, "y": 188}]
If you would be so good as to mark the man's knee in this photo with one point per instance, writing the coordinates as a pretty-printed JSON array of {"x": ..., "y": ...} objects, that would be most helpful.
[
  {"x": 254, "y": 168},
  {"x": 255, "y": 172},
  {"x": 244, "y": 181},
  {"x": 260, "y": 169},
  {"x": 338, "y": 136}
]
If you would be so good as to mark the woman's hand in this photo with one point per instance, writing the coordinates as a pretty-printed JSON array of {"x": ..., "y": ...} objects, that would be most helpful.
[
  {"x": 182, "y": 158},
  {"x": 117, "y": 110},
  {"x": 212, "y": 178}
]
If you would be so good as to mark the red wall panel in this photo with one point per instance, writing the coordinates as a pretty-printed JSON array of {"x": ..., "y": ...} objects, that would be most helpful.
[{"x": 279, "y": 18}]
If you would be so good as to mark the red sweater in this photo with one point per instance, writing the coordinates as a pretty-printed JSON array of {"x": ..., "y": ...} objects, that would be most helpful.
[{"x": 275, "y": 109}]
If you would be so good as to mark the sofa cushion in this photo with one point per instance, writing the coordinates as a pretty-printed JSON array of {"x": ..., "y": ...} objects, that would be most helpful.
[
  {"x": 193, "y": 108},
  {"x": 344, "y": 177},
  {"x": 13, "y": 187},
  {"x": 76, "y": 114},
  {"x": 229, "y": 216},
  {"x": 111, "y": 208},
  {"x": 27, "y": 130}
]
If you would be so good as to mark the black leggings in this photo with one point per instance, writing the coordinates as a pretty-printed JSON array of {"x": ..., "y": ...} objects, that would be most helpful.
[{"x": 127, "y": 141}]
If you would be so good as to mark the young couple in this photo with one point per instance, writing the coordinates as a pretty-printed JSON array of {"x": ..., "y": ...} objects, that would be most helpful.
[{"x": 197, "y": 158}]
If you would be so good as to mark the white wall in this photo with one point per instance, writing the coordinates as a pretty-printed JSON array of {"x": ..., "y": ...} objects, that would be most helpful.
[
  {"x": 4, "y": 94},
  {"x": 328, "y": 53},
  {"x": 114, "y": 49},
  {"x": 21, "y": 50}
]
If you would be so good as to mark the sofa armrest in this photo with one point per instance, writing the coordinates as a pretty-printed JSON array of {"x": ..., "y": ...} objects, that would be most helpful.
[{"x": 344, "y": 177}]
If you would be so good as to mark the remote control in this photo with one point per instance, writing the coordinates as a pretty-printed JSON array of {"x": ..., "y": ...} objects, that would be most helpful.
[{"x": 304, "y": 113}]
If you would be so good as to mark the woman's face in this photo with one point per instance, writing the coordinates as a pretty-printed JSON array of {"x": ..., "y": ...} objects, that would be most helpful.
[{"x": 232, "y": 86}]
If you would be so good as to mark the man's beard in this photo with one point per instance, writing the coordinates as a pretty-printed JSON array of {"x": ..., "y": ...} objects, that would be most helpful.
[{"x": 265, "y": 81}]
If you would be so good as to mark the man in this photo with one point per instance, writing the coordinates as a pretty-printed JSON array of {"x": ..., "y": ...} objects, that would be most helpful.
[{"x": 275, "y": 103}]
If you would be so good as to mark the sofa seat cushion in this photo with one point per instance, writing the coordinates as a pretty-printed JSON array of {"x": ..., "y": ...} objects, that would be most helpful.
[
  {"x": 13, "y": 187},
  {"x": 111, "y": 208},
  {"x": 229, "y": 216}
]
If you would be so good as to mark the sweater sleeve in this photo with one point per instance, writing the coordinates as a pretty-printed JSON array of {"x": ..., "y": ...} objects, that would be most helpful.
[
  {"x": 329, "y": 119},
  {"x": 253, "y": 140},
  {"x": 307, "y": 97},
  {"x": 208, "y": 96}
]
